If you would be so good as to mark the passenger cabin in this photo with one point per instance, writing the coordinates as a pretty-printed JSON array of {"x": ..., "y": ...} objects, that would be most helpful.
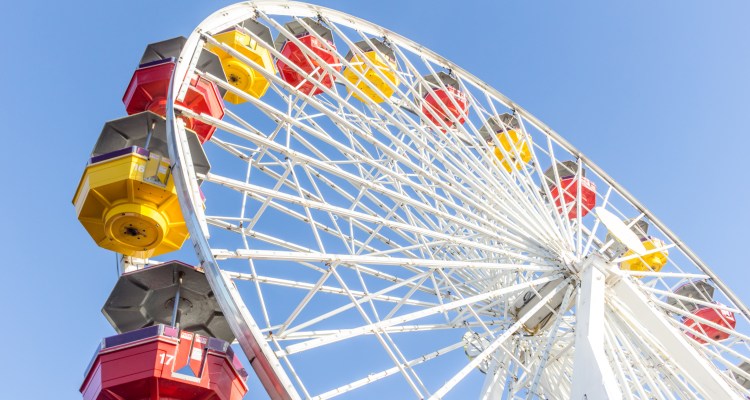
[
  {"x": 564, "y": 185},
  {"x": 376, "y": 62},
  {"x": 509, "y": 144},
  {"x": 316, "y": 39},
  {"x": 544, "y": 317},
  {"x": 245, "y": 77},
  {"x": 654, "y": 259},
  {"x": 148, "y": 296},
  {"x": 443, "y": 102},
  {"x": 147, "y": 90},
  {"x": 162, "y": 362},
  {"x": 126, "y": 198},
  {"x": 710, "y": 322}
]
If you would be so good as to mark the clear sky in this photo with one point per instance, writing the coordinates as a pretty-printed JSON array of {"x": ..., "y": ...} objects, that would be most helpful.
[{"x": 655, "y": 92}]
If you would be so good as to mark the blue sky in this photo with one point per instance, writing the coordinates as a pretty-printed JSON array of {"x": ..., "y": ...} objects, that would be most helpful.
[{"x": 656, "y": 93}]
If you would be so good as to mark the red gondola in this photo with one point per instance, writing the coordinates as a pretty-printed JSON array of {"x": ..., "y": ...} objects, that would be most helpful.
[
  {"x": 313, "y": 70},
  {"x": 147, "y": 91},
  {"x": 565, "y": 192},
  {"x": 160, "y": 362},
  {"x": 722, "y": 318},
  {"x": 450, "y": 99}
]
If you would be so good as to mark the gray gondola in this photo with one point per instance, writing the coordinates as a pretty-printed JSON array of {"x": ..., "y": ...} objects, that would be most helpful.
[
  {"x": 542, "y": 319},
  {"x": 436, "y": 82},
  {"x": 147, "y": 297},
  {"x": 697, "y": 290},
  {"x": 298, "y": 30},
  {"x": 378, "y": 45},
  {"x": 565, "y": 169},
  {"x": 640, "y": 228}
]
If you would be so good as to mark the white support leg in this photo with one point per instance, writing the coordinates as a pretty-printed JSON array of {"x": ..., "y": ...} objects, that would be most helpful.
[
  {"x": 593, "y": 377},
  {"x": 668, "y": 340},
  {"x": 492, "y": 389}
]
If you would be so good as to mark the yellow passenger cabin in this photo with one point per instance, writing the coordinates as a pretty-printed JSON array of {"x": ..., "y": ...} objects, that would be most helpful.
[
  {"x": 654, "y": 259},
  {"x": 241, "y": 75},
  {"x": 376, "y": 62},
  {"x": 513, "y": 151},
  {"x": 126, "y": 198}
]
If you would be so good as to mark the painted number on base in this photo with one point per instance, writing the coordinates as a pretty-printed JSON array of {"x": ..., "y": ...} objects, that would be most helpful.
[{"x": 166, "y": 359}]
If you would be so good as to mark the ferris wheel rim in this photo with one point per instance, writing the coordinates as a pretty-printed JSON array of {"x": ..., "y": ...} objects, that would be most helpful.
[{"x": 183, "y": 177}]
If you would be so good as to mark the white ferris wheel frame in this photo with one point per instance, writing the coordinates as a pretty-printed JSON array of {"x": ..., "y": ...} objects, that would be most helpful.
[{"x": 593, "y": 274}]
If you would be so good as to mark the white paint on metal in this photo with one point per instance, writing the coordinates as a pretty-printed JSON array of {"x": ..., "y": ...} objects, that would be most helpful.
[
  {"x": 593, "y": 377},
  {"x": 620, "y": 231}
]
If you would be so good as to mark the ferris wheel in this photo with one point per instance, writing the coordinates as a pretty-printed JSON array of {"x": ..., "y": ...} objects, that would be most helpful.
[{"x": 375, "y": 221}]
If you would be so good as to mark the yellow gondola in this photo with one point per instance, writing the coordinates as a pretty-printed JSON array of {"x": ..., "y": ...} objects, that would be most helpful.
[
  {"x": 651, "y": 261},
  {"x": 239, "y": 74},
  {"x": 383, "y": 60},
  {"x": 126, "y": 198},
  {"x": 515, "y": 151}
]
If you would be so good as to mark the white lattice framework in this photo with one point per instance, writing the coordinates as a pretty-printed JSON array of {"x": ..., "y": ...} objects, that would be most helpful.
[{"x": 352, "y": 245}]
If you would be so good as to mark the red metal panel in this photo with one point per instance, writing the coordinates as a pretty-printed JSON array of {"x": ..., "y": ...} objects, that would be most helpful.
[
  {"x": 147, "y": 90},
  {"x": 148, "y": 370},
  {"x": 570, "y": 194},
  {"x": 198, "y": 354},
  {"x": 313, "y": 71},
  {"x": 722, "y": 318},
  {"x": 433, "y": 106}
]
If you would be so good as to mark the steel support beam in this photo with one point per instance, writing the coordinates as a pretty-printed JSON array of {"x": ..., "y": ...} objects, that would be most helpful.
[
  {"x": 593, "y": 377},
  {"x": 656, "y": 329}
]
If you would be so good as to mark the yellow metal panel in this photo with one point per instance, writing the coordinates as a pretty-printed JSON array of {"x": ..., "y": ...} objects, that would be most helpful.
[
  {"x": 129, "y": 205},
  {"x": 372, "y": 79},
  {"x": 651, "y": 261},
  {"x": 241, "y": 75},
  {"x": 513, "y": 142}
]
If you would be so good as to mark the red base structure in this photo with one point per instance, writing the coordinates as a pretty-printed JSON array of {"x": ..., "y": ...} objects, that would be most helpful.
[
  {"x": 161, "y": 363},
  {"x": 723, "y": 318},
  {"x": 450, "y": 98},
  {"x": 311, "y": 66},
  {"x": 148, "y": 91},
  {"x": 570, "y": 194}
]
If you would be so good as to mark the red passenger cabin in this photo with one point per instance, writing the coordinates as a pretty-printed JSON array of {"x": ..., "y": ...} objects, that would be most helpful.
[
  {"x": 313, "y": 71},
  {"x": 161, "y": 362},
  {"x": 565, "y": 190},
  {"x": 699, "y": 328},
  {"x": 147, "y": 90},
  {"x": 445, "y": 102}
]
